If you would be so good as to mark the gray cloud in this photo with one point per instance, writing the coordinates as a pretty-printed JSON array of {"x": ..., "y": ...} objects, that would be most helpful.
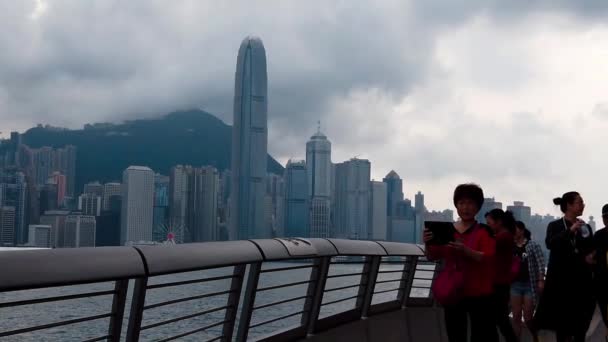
[{"x": 81, "y": 61}]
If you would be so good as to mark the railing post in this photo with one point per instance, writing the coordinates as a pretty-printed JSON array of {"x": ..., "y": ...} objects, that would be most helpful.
[
  {"x": 233, "y": 302},
  {"x": 137, "y": 309},
  {"x": 407, "y": 279},
  {"x": 118, "y": 309},
  {"x": 368, "y": 283},
  {"x": 316, "y": 289},
  {"x": 248, "y": 301}
]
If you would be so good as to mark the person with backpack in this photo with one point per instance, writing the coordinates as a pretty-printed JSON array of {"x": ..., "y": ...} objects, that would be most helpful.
[
  {"x": 464, "y": 286},
  {"x": 529, "y": 281},
  {"x": 503, "y": 226},
  {"x": 567, "y": 303}
]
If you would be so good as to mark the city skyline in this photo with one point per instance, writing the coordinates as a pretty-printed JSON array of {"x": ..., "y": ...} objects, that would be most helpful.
[{"x": 405, "y": 97}]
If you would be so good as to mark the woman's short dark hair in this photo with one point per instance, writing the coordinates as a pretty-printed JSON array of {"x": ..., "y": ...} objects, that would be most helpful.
[
  {"x": 505, "y": 218},
  {"x": 469, "y": 191},
  {"x": 522, "y": 226},
  {"x": 567, "y": 198}
]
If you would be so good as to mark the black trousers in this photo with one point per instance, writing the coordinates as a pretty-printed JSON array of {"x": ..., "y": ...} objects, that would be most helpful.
[
  {"x": 502, "y": 296},
  {"x": 479, "y": 311}
]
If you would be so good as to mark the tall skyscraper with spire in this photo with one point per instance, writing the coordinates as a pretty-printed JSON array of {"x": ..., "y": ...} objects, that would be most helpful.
[
  {"x": 249, "y": 143},
  {"x": 318, "y": 161}
]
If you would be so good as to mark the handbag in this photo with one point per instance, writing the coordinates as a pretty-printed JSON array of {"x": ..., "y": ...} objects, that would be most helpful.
[{"x": 448, "y": 286}]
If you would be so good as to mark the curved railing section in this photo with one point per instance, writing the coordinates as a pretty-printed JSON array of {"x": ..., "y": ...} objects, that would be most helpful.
[{"x": 273, "y": 289}]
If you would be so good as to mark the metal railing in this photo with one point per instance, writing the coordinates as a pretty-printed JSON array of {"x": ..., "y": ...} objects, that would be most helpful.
[{"x": 242, "y": 295}]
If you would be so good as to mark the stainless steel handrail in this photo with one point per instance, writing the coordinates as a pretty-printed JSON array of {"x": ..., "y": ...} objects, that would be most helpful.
[{"x": 25, "y": 270}]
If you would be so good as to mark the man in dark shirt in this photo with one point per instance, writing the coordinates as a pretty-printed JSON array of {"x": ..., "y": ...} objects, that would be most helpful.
[{"x": 601, "y": 269}]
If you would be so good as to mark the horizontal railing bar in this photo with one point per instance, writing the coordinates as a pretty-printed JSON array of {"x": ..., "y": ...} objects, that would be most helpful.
[
  {"x": 177, "y": 319},
  {"x": 102, "y": 338},
  {"x": 421, "y": 287},
  {"x": 392, "y": 290},
  {"x": 276, "y": 319},
  {"x": 387, "y": 281},
  {"x": 344, "y": 287},
  {"x": 393, "y": 262},
  {"x": 347, "y": 262},
  {"x": 54, "y": 325},
  {"x": 186, "y": 299},
  {"x": 345, "y": 275},
  {"x": 187, "y": 282},
  {"x": 283, "y": 285},
  {"x": 193, "y": 332},
  {"x": 280, "y": 302},
  {"x": 287, "y": 268},
  {"x": 416, "y": 278},
  {"x": 341, "y": 300},
  {"x": 56, "y": 299},
  {"x": 390, "y": 271}
]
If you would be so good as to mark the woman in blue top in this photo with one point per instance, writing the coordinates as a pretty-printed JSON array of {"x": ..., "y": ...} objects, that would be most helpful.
[{"x": 530, "y": 281}]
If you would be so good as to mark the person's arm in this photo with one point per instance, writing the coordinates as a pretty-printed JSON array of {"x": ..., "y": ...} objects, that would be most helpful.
[
  {"x": 539, "y": 264},
  {"x": 483, "y": 250},
  {"x": 435, "y": 252},
  {"x": 558, "y": 238}
]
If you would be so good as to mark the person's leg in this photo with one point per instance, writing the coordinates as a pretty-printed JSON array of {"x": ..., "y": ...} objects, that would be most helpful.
[
  {"x": 456, "y": 322},
  {"x": 501, "y": 306},
  {"x": 528, "y": 309},
  {"x": 516, "y": 309},
  {"x": 483, "y": 325}
]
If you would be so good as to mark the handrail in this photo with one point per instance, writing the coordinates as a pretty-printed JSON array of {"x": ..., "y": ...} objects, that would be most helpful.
[{"x": 33, "y": 269}]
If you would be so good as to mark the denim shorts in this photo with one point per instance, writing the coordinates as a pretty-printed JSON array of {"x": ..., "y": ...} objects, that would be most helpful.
[{"x": 521, "y": 288}]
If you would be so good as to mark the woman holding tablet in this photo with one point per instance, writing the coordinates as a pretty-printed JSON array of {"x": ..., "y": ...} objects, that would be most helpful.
[{"x": 465, "y": 284}]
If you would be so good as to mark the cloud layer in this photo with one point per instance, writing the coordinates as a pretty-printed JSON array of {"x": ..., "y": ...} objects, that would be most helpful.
[{"x": 508, "y": 94}]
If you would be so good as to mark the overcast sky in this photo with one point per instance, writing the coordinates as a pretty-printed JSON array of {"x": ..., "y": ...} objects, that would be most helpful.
[{"x": 507, "y": 94}]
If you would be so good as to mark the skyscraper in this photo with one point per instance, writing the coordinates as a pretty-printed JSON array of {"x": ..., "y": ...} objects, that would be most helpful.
[
  {"x": 39, "y": 236},
  {"x": 378, "y": 217},
  {"x": 56, "y": 219},
  {"x": 488, "y": 204},
  {"x": 61, "y": 182},
  {"x": 7, "y": 226},
  {"x": 394, "y": 192},
  {"x": 521, "y": 212},
  {"x": 109, "y": 190},
  {"x": 318, "y": 161},
  {"x": 201, "y": 208},
  {"x": 275, "y": 203},
  {"x": 178, "y": 201},
  {"x": 352, "y": 199},
  {"x": 79, "y": 231},
  {"x": 161, "y": 207},
  {"x": 420, "y": 215},
  {"x": 46, "y": 160},
  {"x": 249, "y": 143},
  {"x": 137, "y": 204},
  {"x": 94, "y": 188},
  {"x": 13, "y": 193},
  {"x": 296, "y": 200},
  {"x": 89, "y": 204}
]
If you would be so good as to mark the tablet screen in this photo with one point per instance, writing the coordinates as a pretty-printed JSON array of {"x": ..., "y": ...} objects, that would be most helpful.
[{"x": 443, "y": 232}]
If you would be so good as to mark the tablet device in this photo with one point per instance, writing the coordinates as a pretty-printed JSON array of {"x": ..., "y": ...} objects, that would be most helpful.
[{"x": 443, "y": 232}]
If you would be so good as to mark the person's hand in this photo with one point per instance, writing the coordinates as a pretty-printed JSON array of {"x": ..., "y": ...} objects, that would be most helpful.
[
  {"x": 590, "y": 258},
  {"x": 458, "y": 246},
  {"x": 427, "y": 235},
  {"x": 541, "y": 286},
  {"x": 576, "y": 226}
]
